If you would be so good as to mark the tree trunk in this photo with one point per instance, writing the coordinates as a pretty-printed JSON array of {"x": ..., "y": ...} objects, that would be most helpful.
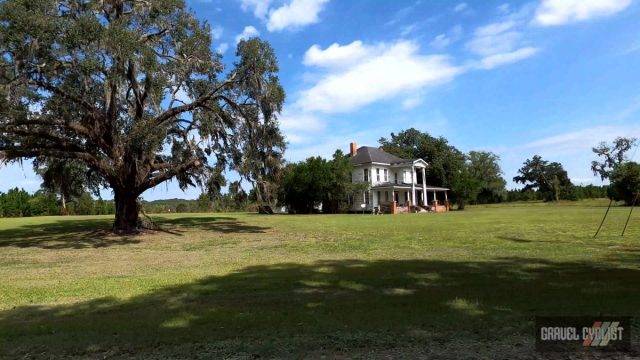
[
  {"x": 64, "y": 204},
  {"x": 126, "y": 221},
  {"x": 461, "y": 204}
]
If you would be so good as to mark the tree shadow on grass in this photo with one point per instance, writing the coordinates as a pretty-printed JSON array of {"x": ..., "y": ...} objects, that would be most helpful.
[
  {"x": 225, "y": 225},
  {"x": 74, "y": 233},
  {"x": 388, "y": 308}
]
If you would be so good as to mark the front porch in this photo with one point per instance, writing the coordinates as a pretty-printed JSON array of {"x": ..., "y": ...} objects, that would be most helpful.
[{"x": 394, "y": 199}]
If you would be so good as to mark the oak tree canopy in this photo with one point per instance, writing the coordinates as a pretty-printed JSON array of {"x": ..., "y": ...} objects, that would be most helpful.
[{"x": 132, "y": 89}]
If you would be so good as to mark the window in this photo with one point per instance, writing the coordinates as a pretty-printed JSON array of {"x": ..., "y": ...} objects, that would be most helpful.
[
  {"x": 395, "y": 177},
  {"x": 366, "y": 174},
  {"x": 366, "y": 198},
  {"x": 386, "y": 175},
  {"x": 378, "y": 174}
]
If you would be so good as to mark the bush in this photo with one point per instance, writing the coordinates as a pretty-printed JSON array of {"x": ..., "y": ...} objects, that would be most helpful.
[{"x": 625, "y": 182}]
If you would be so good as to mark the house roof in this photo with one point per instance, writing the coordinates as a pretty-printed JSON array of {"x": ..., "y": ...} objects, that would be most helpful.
[{"x": 370, "y": 154}]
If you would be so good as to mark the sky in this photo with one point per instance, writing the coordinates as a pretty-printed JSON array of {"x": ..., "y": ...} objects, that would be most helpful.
[{"x": 519, "y": 78}]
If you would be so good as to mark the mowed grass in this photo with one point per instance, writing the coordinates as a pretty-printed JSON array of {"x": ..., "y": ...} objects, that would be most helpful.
[{"x": 455, "y": 285}]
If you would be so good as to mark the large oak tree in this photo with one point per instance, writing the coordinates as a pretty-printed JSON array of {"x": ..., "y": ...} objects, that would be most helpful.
[{"x": 132, "y": 89}]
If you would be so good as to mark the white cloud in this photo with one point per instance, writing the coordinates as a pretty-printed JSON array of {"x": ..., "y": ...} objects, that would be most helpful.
[
  {"x": 222, "y": 48},
  {"x": 559, "y": 12},
  {"x": 581, "y": 140},
  {"x": 461, "y": 7},
  {"x": 495, "y": 38},
  {"x": 496, "y": 60},
  {"x": 335, "y": 55},
  {"x": 441, "y": 41},
  {"x": 260, "y": 8},
  {"x": 412, "y": 101},
  {"x": 389, "y": 71},
  {"x": 247, "y": 33},
  {"x": 298, "y": 127},
  {"x": 295, "y": 14},
  {"x": 216, "y": 32},
  {"x": 504, "y": 8}
]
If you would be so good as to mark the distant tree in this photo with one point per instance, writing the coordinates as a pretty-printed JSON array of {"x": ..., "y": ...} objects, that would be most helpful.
[
  {"x": 43, "y": 203},
  {"x": 612, "y": 156},
  {"x": 446, "y": 163},
  {"x": 130, "y": 88},
  {"x": 239, "y": 196},
  {"x": 625, "y": 182},
  {"x": 260, "y": 158},
  {"x": 484, "y": 166},
  {"x": 340, "y": 187},
  {"x": 204, "y": 203},
  {"x": 304, "y": 184},
  {"x": 307, "y": 185},
  {"x": 467, "y": 176},
  {"x": 69, "y": 179},
  {"x": 84, "y": 205},
  {"x": 16, "y": 203},
  {"x": 549, "y": 178}
]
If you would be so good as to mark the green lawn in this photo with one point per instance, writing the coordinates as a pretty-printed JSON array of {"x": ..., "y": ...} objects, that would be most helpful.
[{"x": 243, "y": 285}]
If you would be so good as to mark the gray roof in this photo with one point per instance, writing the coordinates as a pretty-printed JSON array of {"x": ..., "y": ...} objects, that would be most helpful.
[{"x": 369, "y": 154}]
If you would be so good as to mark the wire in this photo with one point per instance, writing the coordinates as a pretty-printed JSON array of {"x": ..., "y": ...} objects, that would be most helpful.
[
  {"x": 605, "y": 216},
  {"x": 630, "y": 212}
]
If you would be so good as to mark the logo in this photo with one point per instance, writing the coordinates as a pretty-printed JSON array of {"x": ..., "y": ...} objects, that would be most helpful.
[{"x": 565, "y": 333}]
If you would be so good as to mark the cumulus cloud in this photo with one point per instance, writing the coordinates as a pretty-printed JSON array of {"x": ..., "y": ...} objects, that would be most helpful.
[
  {"x": 560, "y": 12},
  {"x": 260, "y": 8},
  {"x": 386, "y": 72},
  {"x": 500, "y": 43},
  {"x": 291, "y": 15},
  {"x": 247, "y": 33},
  {"x": 295, "y": 14},
  {"x": 336, "y": 54}
]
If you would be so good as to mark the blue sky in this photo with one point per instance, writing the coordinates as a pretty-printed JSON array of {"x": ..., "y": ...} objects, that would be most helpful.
[{"x": 550, "y": 77}]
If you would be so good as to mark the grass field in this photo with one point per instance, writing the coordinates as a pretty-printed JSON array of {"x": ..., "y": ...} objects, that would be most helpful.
[{"x": 243, "y": 285}]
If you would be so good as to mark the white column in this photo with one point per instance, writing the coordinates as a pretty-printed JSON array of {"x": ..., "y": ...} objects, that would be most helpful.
[
  {"x": 424, "y": 189},
  {"x": 413, "y": 185}
]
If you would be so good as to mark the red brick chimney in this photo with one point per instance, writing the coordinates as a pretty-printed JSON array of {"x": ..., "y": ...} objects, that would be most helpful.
[{"x": 353, "y": 148}]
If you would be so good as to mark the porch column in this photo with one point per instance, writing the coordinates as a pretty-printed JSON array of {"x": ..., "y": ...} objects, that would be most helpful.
[
  {"x": 445, "y": 196},
  {"x": 435, "y": 198},
  {"x": 424, "y": 189},
  {"x": 413, "y": 185}
]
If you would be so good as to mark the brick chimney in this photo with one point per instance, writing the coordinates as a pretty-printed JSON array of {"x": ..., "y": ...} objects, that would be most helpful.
[{"x": 353, "y": 148}]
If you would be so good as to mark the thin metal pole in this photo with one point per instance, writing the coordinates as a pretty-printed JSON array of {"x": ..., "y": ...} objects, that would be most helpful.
[
  {"x": 605, "y": 216},
  {"x": 630, "y": 211}
]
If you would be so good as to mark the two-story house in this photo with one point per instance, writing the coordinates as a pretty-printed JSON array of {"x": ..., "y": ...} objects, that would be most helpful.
[{"x": 391, "y": 178}]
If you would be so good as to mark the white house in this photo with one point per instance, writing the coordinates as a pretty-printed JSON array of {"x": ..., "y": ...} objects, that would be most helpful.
[{"x": 390, "y": 179}]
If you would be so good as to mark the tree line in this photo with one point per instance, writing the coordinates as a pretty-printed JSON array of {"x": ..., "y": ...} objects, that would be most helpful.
[
  {"x": 474, "y": 177},
  {"x": 318, "y": 184}
]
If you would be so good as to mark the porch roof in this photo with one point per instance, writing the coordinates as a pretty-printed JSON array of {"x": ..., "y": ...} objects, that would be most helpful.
[{"x": 407, "y": 186}]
